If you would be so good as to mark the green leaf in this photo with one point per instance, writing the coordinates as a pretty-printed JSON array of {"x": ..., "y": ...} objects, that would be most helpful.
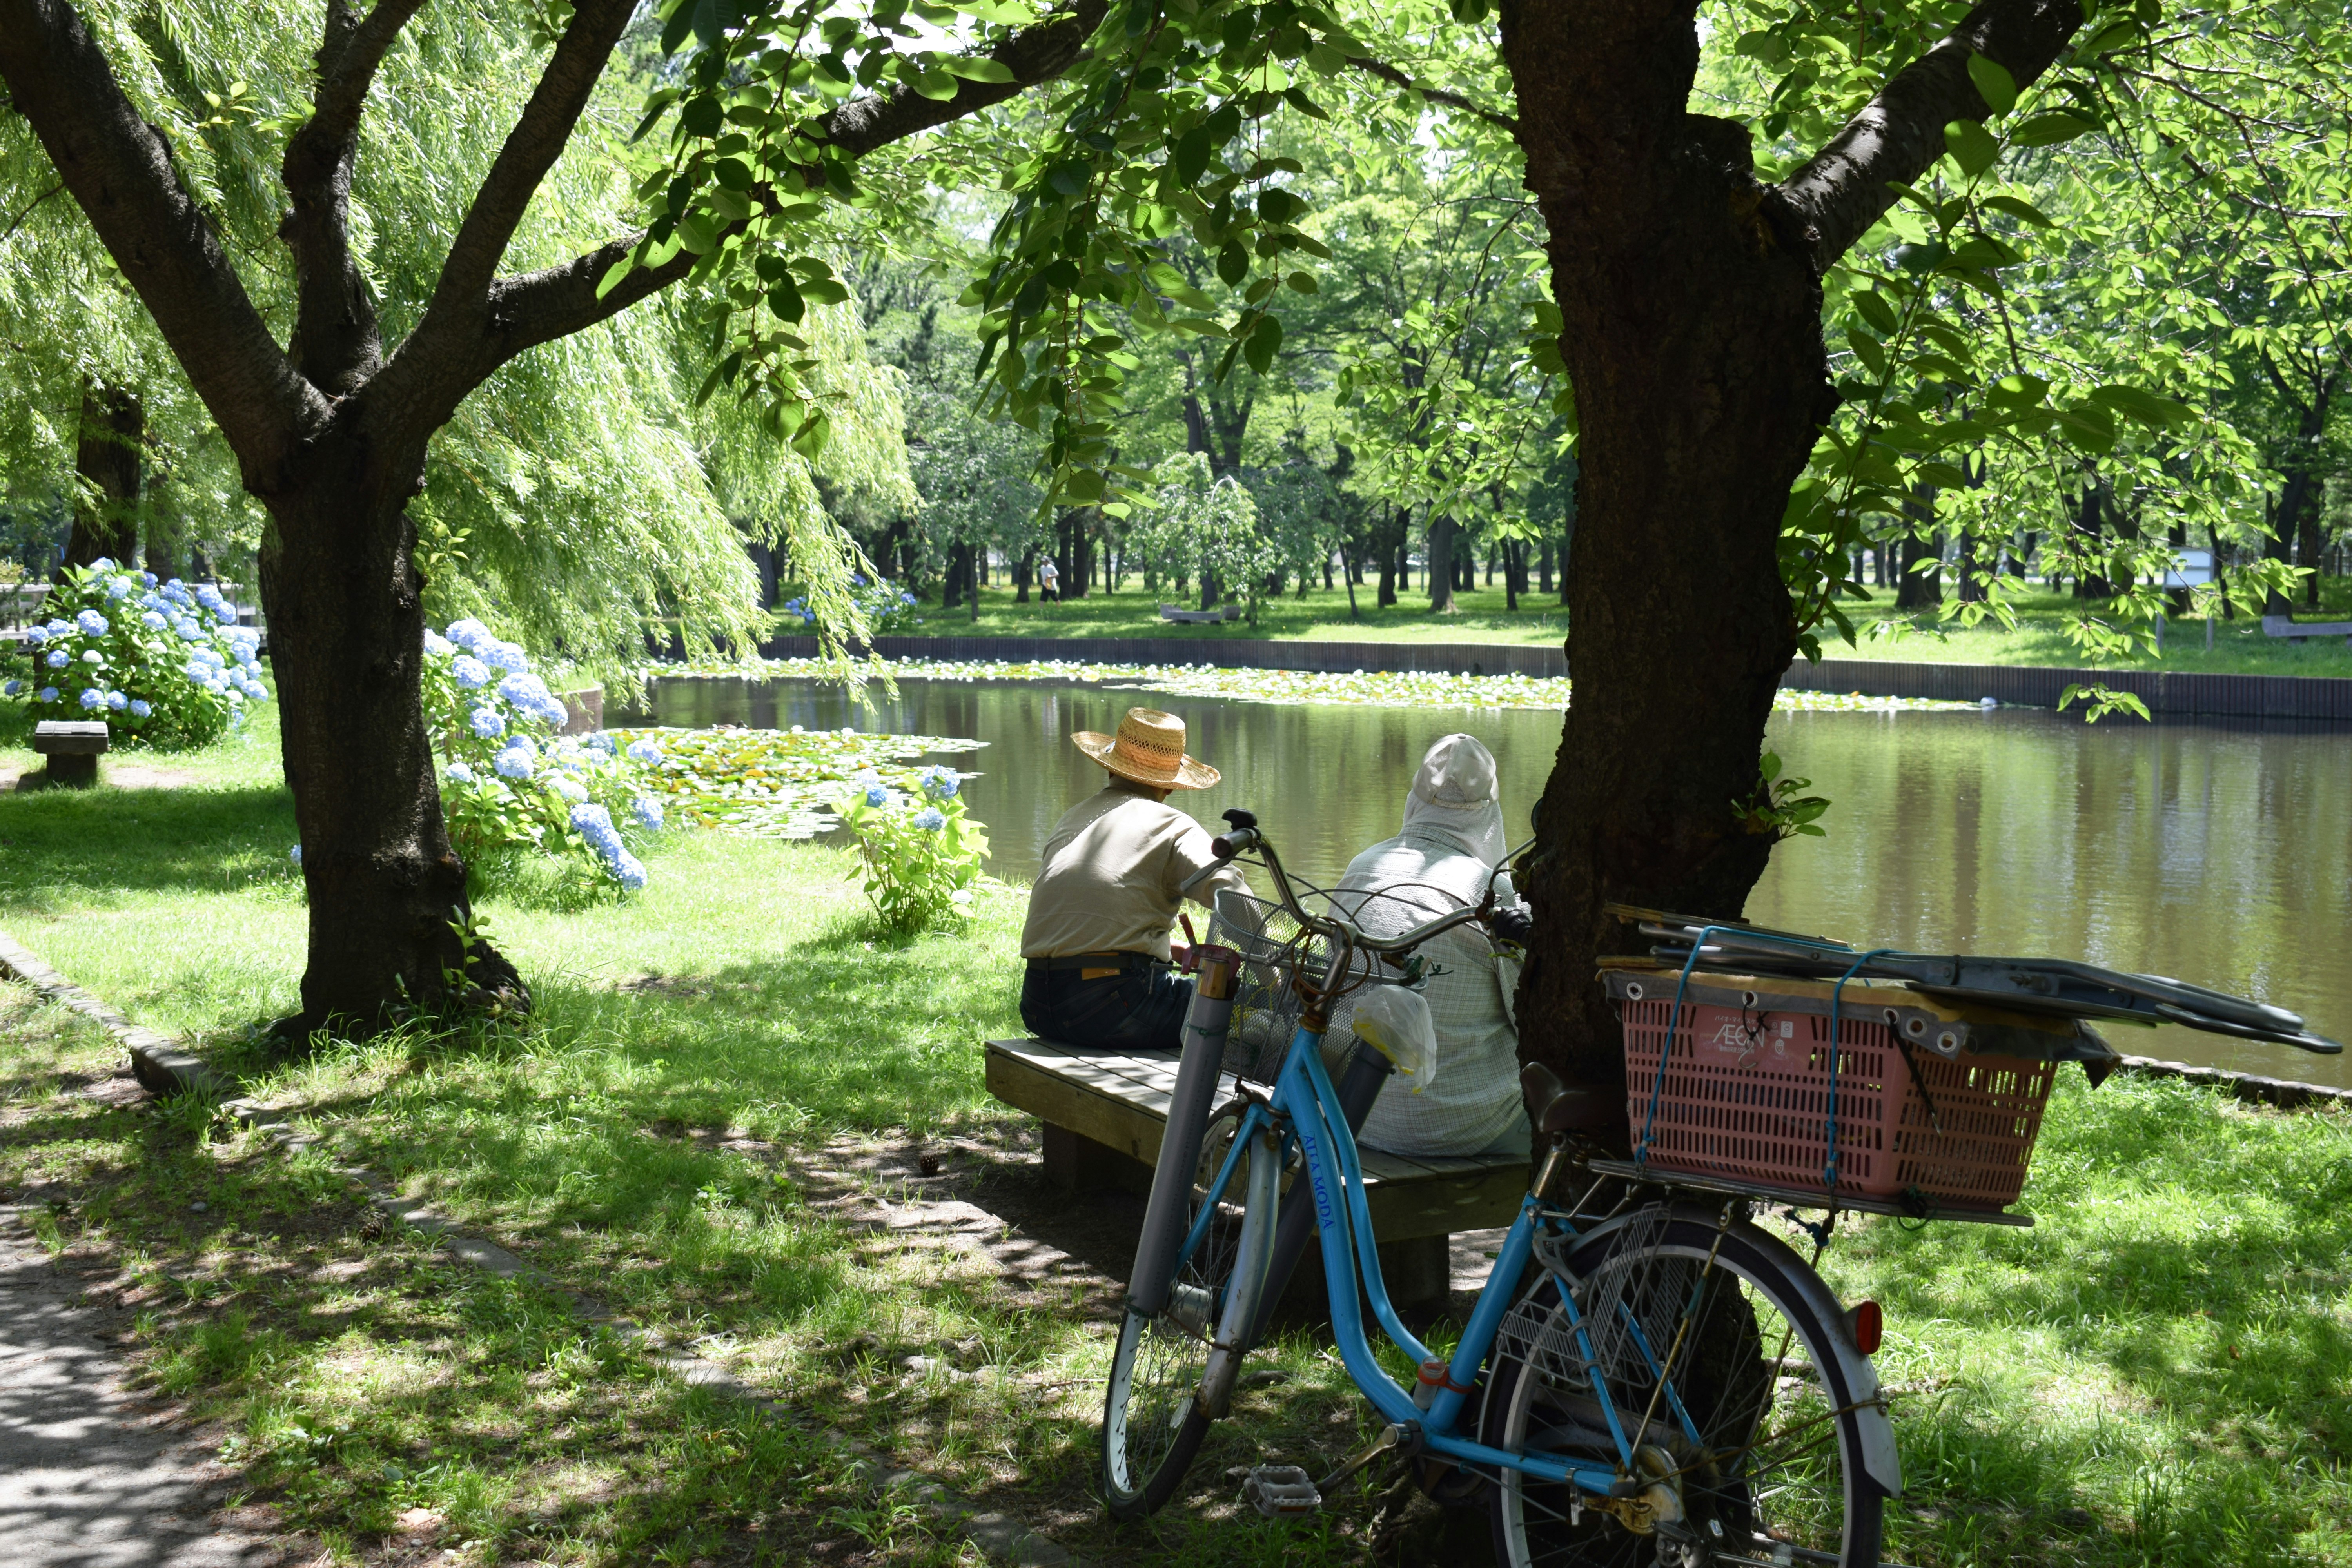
[
  {"x": 2088, "y": 427},
  {"x": 696, "y": 234},
  {"x": 1972, "y": 146},
  {"x": 612, "y": 276},
  {"x": 979, "y": 70},
  {"x": 1301, "y": 282},
  {"x": 2024, "y": 211},
  {"x": 2024, "y": 391},
  {"x": 1083, "y": 484},
  {"x": 785, "y": 300},
  {"x": 825, "y": 292},
  {"x": 1993, "y": 80},
  {"x": 2149, "y": 408},
  {"x": 1232, "y": 263},
  {"x": 1263, "y": 345},
  {"x": 1193, "y": 150},
  {"x": 936, "y": 85},
  {"x": 1875, "y": 310},
  {"x": 2048, "y": 130},
  {"x": 707, "y": 29},
  {"x": 1769, "y": 48}
]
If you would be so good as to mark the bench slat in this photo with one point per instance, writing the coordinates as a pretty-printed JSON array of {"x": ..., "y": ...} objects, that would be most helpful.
[{"x": 1120, "y": 1100}]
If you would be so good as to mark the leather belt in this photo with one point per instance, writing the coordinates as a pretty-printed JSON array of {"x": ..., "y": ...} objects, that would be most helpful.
[{"x": 1095, "y": 960}]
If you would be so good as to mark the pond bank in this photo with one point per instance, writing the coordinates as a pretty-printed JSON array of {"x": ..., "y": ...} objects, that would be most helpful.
[{"x": 2167, "y": 694}]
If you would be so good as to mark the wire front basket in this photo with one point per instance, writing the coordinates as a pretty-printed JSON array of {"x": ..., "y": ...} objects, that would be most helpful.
[{"x": 1266, "y": 1003}]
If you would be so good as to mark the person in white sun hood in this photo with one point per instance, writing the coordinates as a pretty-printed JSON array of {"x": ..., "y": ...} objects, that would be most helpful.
[{"x": 1452, "y": 840}]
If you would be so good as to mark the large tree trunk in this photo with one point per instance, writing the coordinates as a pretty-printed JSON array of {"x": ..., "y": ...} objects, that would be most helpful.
[
  {"x": 1693, "y": 337},
  {"x": 387, "y": 894},
  {"x": 106, "y": 451}
]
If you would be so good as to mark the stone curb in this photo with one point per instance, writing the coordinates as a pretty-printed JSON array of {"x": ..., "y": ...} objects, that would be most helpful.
[
  {"x": 164, "y": 1071},
  {"x": 2287, "y": 1094}
]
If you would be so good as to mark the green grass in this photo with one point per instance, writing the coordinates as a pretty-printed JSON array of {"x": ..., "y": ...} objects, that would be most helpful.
[
  {"x": 726, "y": 1086},
  {"x": 2239, "y": 646}
]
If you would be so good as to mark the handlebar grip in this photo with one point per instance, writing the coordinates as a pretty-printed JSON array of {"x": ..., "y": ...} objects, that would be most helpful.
[{"x": 1226, "y": 846}]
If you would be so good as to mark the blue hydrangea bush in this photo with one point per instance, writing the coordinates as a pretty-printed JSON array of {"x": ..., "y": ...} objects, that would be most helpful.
[
  {"x": 164, "y": 664},
  {"x": 887, "y": 609},
  {"x": 921, "y": 854},
  {"x": 523, "y": 801}
]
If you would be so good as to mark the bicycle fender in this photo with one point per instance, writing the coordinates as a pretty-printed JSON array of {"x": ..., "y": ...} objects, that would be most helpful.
[
  {"x": 1253, "y": 1252},
  {"x": 1880, "y": 1458}
]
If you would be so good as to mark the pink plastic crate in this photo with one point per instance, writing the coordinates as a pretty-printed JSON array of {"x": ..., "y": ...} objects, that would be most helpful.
[{"x": 1746, "y": 1097}]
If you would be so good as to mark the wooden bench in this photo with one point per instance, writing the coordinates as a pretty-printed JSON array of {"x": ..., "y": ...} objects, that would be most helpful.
[
  {"x": 1104, "y": 1114},
  {"x": 2288, "y": 627},
  {"x": 72, "y": 747},
  {"x": 1200, "y": 618}
]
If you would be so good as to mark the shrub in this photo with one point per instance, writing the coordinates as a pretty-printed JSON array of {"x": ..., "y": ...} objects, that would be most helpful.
[
  {"x": 887, "y": 609},
  {"x": 163, "y": 664},
  {"x": 921, "y": 853},
  {"x": 518, "y": 797}
]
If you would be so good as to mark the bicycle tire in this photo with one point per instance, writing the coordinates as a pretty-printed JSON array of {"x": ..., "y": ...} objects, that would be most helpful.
[
  {"x": 1152, "y": 1425},
  {"x": 1757, "y": 1376}
]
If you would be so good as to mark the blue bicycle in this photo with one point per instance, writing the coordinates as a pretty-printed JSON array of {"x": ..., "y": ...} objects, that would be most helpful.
[{"x": 1657, "y": 1382}]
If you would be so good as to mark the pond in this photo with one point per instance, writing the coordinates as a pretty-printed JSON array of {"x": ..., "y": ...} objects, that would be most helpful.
[{"x": 2222, "y": 855}]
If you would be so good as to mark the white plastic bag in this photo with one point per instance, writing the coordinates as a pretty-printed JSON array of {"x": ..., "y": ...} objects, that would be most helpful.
[{"x": 1396, "y": 1023}]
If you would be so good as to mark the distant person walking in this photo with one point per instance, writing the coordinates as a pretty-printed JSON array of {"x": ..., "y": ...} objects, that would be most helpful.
[{"x": 1049, "y": 581}]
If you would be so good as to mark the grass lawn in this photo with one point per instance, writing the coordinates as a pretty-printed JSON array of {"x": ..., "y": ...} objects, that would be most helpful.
[
  {"x": 2239, "y": 646},
  {"x": 731, "y": 1117}
]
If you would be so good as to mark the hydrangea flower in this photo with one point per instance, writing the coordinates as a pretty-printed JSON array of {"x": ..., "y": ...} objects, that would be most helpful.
[
  {"x": 930, "y": 819},
  {"x": 600, "y": 741},
  {"x": 504, "y": 656},
  {"x": 877, "y": 796},
  {"x": 93, "y": 622},
  {"x": 645, "y": 750},
  {"x": 514, "y": 763},
  {"x": 460, "y": 773},
  {"x": 154, "y": 619},
  {"x": 36, "y": 636},
  {"x": 648, "y": 811},
  {"x": 140, "y": 708},
  {"x": 93, "y": 698},
  {"x": 90, "y": 656},
  {"x": 527, "y": 692},
  {"x": 117, "y": 700},
  {"x": 48, "y": 694},
  {"x": 58, "y": 629},
  {"x": 940, "y": 783},
  {"x": 58, "y": 659},
  {"x": 295, "y": 854},
  {"x": 10, "y": 689},
  {"x": 594, "y": 822},
  {"x": 147, "y": 578},
  {"x": 467, "y": 632},
  {"x": 104, "y": 564},
  {"x": 189, "y": 631},
  {"x": 437, "y": 644},
  {"x": 118, "y": 588},
  {"x": 471, "y": 672},
  {"x": 486, "y": 723},
  {"x": 570, "y": 788},
  {"x": 630, "y": 871}
]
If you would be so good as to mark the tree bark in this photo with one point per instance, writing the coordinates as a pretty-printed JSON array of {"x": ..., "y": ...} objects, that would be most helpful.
[
  {"x": 1692, "y": 303},
  {"x": 106, "y": 460},
  {"x": 1442, "y": 531}
]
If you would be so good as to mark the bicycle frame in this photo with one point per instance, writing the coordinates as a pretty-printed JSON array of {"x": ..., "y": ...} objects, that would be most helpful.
[{"x": 1305, "y": 1097}]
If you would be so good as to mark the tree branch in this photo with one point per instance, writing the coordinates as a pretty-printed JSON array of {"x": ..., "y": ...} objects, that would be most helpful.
[
  {"x": 1837, "y": 195},
  {"x": 30, "y": 208},
  {"x": 120, "y": 170},
  {"x": 440, "y": 362},
  {"x": 556, "y": 301},
  {"x": 1033, "y": 55},
  {"x": 1390, "y": 74},
  {"x": 335, "y": 342}
]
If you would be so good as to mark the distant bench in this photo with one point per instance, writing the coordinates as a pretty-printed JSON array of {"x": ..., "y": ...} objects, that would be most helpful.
[
  {"x": 1200, "y": 618},
  {"x": 1104, "y": 1113},
  {"x": 2288, "y": 627}
]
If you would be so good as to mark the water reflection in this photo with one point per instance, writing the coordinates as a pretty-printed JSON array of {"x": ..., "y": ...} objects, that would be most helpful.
[{"x": 2220, "y": 855}]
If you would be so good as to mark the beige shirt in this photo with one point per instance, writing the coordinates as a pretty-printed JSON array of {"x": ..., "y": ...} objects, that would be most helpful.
[{"x": 1111, "y": 876}]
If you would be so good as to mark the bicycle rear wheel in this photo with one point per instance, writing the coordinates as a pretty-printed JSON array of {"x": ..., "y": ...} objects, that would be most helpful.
[
  {"x": 1753, "y": 1440},
  {"x": 1152, "y": 1425}
]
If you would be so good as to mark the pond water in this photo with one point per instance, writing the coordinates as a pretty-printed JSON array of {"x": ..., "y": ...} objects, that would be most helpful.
[{"x": 2219, "y": 854}]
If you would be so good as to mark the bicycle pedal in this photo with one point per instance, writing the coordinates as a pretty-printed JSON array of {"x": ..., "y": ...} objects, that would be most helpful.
[{"x": 1282, "y": 1492}]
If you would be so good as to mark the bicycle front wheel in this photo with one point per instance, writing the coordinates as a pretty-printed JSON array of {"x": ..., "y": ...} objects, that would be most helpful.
[
  {"x": 1153, "y": 1425},
  {"x": 1721, "y": 1368}
]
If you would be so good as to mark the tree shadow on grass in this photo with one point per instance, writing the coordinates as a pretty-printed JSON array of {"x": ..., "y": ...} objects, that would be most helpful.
[{"x": 62, "y": 844}]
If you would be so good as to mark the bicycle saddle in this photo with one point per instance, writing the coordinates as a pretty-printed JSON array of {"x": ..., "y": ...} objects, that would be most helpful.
[{"x": 1553, "y": 1107}]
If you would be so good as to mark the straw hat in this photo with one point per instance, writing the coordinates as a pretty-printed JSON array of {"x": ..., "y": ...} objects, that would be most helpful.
[{"x": 1149, "y": 749}]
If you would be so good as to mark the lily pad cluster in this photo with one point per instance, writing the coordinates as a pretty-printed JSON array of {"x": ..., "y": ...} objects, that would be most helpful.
[
  {"x": 1356, "y": 689},
  {"x": 781, "y": 783}
]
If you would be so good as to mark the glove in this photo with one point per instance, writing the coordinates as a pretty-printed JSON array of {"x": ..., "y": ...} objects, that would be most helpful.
[{"x": 1513, "y": 925}]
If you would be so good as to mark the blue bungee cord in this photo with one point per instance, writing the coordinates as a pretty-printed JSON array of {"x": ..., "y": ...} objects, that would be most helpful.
[
  {"x": 1837, "y": 995},
  {"x": 1667, "y": 1051}
]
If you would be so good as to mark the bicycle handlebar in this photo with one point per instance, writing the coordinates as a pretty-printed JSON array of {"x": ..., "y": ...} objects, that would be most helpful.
[{"x": 1245, "y": 837}]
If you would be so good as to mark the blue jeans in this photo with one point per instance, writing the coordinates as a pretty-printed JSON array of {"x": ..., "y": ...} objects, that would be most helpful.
[{"x": 1142, "y": 1007}]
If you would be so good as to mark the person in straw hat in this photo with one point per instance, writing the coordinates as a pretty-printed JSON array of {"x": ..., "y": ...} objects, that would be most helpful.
[{"x": 1110, "y": 886}]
